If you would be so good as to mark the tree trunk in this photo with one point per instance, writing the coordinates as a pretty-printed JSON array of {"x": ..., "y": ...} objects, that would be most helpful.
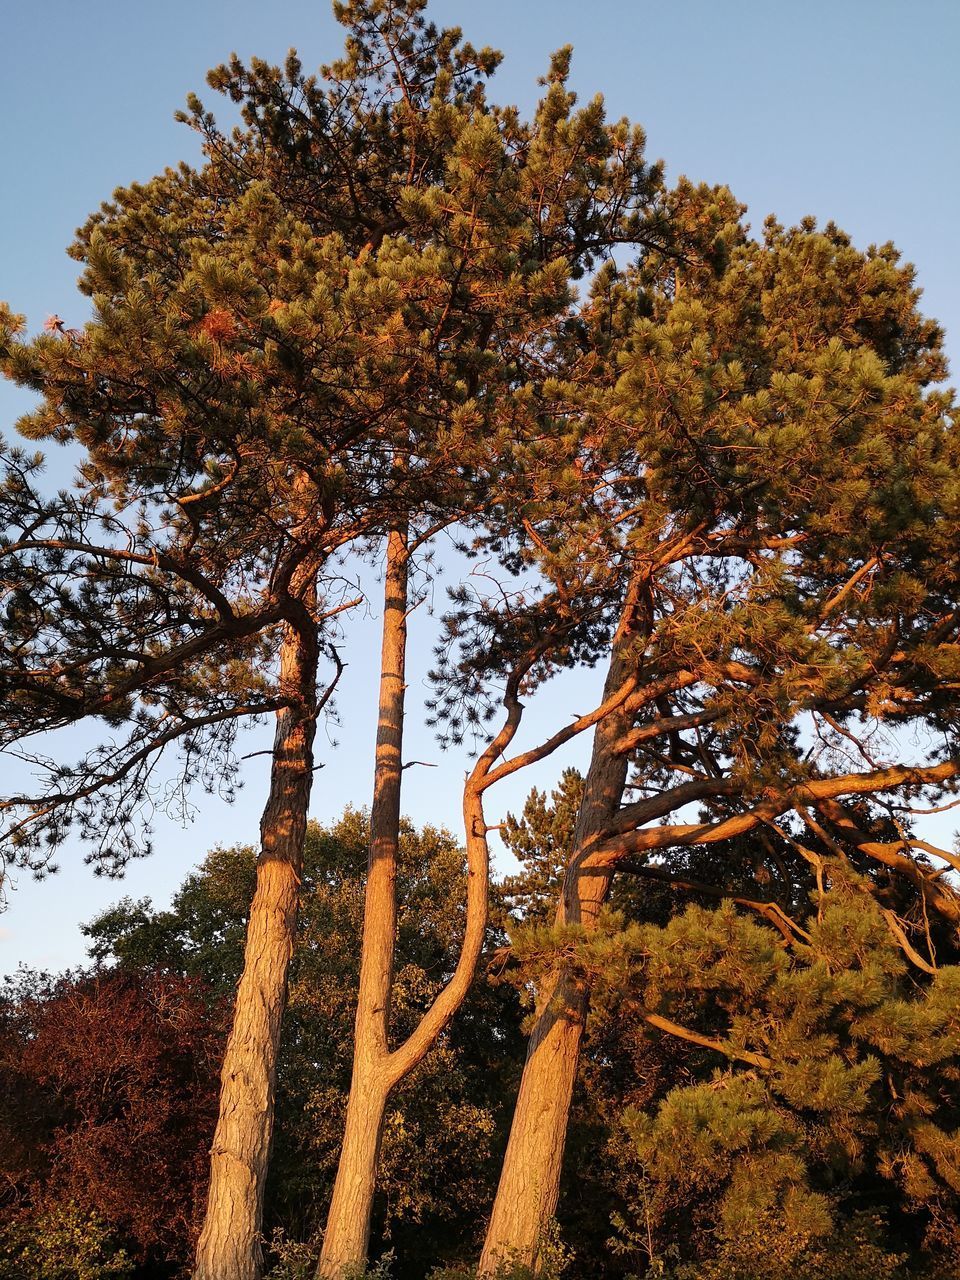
[
  {"x": 377, "y": 1069},
  {"x": 529, "y": 1185},
  {"x": 230, "y": 1242},
  {"x": 347, "y": 1235},
  {"x": 346, "y": 1240}
]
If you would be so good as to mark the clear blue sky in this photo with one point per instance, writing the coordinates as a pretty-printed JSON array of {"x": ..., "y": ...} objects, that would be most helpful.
[{"x": 845, "y": 109}]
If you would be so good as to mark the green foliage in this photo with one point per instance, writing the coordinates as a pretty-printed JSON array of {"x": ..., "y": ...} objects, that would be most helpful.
[
  {"x": 864, "y": 1250},
  {"x": 850, "y": 1092},
  {"x": 61, "y": 1243},
  {"x": 539, "y": 839},
  {"x": 291, "y": 1259},
  {"x": 442, "y": 1126}
]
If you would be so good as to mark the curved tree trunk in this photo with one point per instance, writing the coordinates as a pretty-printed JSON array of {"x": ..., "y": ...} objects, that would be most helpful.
[
  {"x": 230, "y": 1247},
  {"x": 529, "y": 1185},
  {"x": 377, "y": 1069},
  {"x": 347, "y": 1235}
]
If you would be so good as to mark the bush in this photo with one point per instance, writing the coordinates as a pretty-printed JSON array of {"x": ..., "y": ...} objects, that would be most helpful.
[{"x": 61, "y": 1243}]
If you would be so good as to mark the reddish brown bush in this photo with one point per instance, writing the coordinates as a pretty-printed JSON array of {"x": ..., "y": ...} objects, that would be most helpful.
[{"x": 110, "y": 1098}]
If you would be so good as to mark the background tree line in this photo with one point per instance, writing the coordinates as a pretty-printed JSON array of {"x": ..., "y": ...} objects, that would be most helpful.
[
  {"x": 716, "y": 466},
  {"x": 681, "y": 1161}
]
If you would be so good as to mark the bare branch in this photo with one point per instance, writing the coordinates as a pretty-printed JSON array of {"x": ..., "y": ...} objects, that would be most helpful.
[{"x": 718, "y": 1046}]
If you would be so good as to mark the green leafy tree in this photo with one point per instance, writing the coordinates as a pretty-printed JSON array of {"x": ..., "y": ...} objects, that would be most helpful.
[
  {"x": 438, "y": 1158},
  {"x": 537, "y": 205},
  {"x": 62, "y": 1244}
]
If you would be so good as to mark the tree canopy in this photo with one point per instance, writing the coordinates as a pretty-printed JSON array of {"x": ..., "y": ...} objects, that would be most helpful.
[{"x": 720, "y": 466}]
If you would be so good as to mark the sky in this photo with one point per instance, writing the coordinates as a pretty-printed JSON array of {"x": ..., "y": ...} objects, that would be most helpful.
[{"x": 844, "y": 109}]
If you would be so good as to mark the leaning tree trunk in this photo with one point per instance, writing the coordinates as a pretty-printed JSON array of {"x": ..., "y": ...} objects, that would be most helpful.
[
  {"x": 230, "y": 1242},
  {"x": 347, "y": 1235},
  {"x": 529, "y": 1185}
]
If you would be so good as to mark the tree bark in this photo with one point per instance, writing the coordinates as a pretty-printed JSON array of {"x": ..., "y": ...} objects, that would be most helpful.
[
  {"x": 529, "y": 1187},
  {"x": 377, "y": 1068},
  {"x": 347, "y": 1235},
  {"x": 230, "y": 1242},
  {"x": 346, "y": 1239}
]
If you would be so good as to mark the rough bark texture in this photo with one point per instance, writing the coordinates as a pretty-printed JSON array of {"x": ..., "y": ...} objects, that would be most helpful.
[
  {"x": 347, "y": 1235},
  {"x": 529, "y": 1185},
  {"x": 230, "y": 1245}
]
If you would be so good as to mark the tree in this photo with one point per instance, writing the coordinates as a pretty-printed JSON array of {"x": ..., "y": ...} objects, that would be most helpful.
[
  {"x": 295, "y": 348},
  {"x": 353, "y": 296},
  {"x": 749, "y": 1068},
  {"x": 848, "y": 1108},
  {"x": 112, "y": 1076},
  {"x": 540, "y": 840},
  {"x": 226, "y": 516},
  {"x": 438, "y": 1161},
  {"x": 556, "y": 195},
  {"x": 776, "y": 524}
]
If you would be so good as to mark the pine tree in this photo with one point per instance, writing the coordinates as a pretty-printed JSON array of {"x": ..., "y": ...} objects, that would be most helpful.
[
  {"x": 326, "y": 335},
  {"x": 540, "y": 840},
  {"x": 775, "y": 505},
  {"x": 838, "y": 1092},
  {"x": 761, "y": 1105}
]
